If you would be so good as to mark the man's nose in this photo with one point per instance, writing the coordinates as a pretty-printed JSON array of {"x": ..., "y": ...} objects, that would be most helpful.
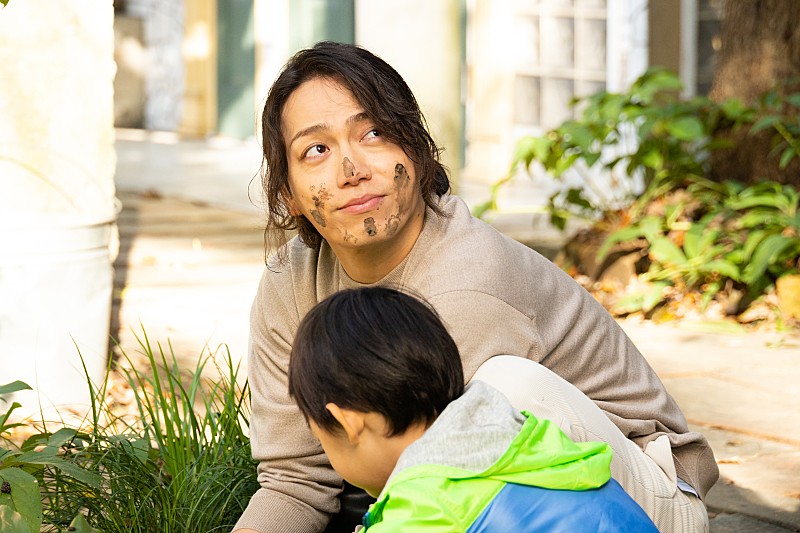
[{"x": 354, "y": 169}]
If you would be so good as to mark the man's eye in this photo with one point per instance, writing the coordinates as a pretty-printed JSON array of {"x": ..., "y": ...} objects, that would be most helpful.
[
  {"x": 317, "y": 149},
  {"x": 372, "y": 133}
]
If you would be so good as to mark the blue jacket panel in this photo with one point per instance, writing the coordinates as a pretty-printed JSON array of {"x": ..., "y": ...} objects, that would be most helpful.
[{"x": 527, "y": 509}]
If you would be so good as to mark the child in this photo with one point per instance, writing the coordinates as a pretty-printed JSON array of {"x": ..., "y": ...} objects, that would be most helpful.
[{"x": 380, "y": 381}]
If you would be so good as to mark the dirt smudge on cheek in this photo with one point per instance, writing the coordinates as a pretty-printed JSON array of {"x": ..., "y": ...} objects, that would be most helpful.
[
  {"x": 401, "y": 182},
  {"x": 401, "y": 177},
  {"x": 349, "y": 237},
  {"x": 348, "y": 169},
  {"x": 369, "y": 227},
  {"x": 392, "y": 224},
  {"x": 319, "y": 199},
  {"x": 319, "y": 218}
]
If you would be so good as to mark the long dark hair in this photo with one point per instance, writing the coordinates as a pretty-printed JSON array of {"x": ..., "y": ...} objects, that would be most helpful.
[{"x": 386, "y": 100}]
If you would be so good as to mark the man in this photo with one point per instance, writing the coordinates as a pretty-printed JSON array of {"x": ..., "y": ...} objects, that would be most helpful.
[{"x": 350, "y": 165}]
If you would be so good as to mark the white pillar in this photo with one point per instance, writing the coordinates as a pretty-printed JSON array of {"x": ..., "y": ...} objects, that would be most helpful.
[
  {"x": 57, "y": 206},
  {"x": 422, "y": 39}
]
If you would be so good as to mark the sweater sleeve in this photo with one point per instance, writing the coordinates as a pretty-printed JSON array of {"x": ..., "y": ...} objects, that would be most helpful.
[
  {"x": 542, "y": 314},
  {"x": 298, "y": 488}
]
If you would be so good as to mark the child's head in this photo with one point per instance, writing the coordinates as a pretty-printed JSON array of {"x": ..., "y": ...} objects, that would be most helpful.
[{"x": 372, "y": 360}]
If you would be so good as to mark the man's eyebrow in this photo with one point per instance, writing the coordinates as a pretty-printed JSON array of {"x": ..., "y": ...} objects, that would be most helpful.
[
  {"x": 322, "y": 126},
  {"x": 358, "y": 117}
]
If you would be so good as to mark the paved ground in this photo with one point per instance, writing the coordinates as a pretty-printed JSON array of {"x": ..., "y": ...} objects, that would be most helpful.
[{"x": 192, "y": 252}]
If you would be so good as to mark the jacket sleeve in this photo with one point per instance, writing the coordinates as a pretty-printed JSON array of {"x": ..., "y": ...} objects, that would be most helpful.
[{"x": 298, "y": 488}]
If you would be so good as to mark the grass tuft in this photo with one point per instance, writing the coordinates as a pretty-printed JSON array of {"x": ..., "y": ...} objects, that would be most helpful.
[{"x": 182, "y": 462}]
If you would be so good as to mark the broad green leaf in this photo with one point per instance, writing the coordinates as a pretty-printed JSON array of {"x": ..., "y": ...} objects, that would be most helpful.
[
  {"x": 691, "y": 241},
  {"x": 752, "y": 242},
  {"x": 766, "y": 253},
  {"x": 80, "y": 525},
  {"x": 665, "y": 251},
  {"x": 651, "y": 227},
  {"x": 11, "y": 521},
  {"x": 765, "y": 122},
  {"x": 629, "y": 304},
  {"x": 733, "y": 108},
  {"x": 722, "y": 267},
  {"x": 558, "y": 220},
  {"x": 579, "y": 135},
  {"x": 654, "y": 295},
  {"x": 755, "y": 218},
  {"x": 530, "y": 148},
  {"x": 575, "y": 196},
  {"x": 761, "y": 200},
  {"x": 14, "y": 386},
  {"x": 81, "y": 474},
  {"x": 621, "y": 235},
  {"x": 23, "y": 497},
  {"x": 60, "y": 437},
  {"x": 685, "y": 128},
  {"x": 652, "y": 158}
]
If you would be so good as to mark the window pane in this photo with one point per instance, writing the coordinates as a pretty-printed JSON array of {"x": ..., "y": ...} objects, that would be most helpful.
[
  {"x": 526, "y": 101},
  {"x": 556, "y": 96},
  {"x": 558, "y": 41},
  {"x": 526, "y": 41},
  {"x": 708, "y": 43},
  {"x": 591, "y": 54}
]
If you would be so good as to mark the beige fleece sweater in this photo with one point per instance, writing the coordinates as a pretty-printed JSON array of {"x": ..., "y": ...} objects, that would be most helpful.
[{"x": 496, "y": 296}]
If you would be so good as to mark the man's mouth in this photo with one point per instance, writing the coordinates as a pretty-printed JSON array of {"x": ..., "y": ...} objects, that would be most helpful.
[{"x": 362, "y": 204}]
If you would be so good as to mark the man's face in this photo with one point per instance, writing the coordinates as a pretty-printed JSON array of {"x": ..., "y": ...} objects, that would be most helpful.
[{"x": 358, "y": 189}]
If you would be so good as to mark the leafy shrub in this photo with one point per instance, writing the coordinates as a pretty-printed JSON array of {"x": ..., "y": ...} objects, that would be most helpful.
[
  {"x": 655, "y": 148},
  {"x": 716, "y": 235},
  {"x": 24, "y": 468}
]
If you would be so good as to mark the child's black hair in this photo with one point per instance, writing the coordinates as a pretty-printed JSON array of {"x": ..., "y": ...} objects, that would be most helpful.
[{"x": 374, "y": 349}]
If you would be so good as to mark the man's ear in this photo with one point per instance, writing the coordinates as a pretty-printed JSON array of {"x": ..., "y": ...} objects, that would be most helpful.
[
  {"x": 353, "y": 422},
  {"x": 288, "y": 200}
]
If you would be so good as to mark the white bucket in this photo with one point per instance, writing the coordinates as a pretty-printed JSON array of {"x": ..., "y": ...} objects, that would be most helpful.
[{"x": 56, "y": 282}]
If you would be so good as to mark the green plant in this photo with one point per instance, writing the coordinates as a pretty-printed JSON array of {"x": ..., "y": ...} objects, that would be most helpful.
[
  {"x": 780, "y": 113},
  {"x": 182, "y": 463},
  {"x": 643, "y": 143},
  {"x": 769, "y": 214},
  {"x": 24, "y": 468},
  {"x": 715, "y": 235}
]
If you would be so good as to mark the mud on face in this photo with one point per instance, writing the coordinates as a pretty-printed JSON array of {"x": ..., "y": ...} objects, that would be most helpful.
[
  {"x": 319, "y": 199},
  {"x": 348, "y": 169},
  {"x": 369, "y": 227}
]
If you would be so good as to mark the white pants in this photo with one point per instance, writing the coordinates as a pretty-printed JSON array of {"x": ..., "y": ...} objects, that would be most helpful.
[{"x": 647, "y": 476}]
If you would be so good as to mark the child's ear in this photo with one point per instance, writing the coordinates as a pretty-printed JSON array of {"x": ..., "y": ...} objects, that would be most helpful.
[{"x": 353, "y": 422}]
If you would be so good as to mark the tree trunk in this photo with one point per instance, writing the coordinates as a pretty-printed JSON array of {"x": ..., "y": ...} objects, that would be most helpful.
[{"x": 760, "y": 50}]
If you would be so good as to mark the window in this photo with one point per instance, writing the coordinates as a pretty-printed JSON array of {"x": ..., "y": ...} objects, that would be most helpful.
[{"x": 560, "y": 54}]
